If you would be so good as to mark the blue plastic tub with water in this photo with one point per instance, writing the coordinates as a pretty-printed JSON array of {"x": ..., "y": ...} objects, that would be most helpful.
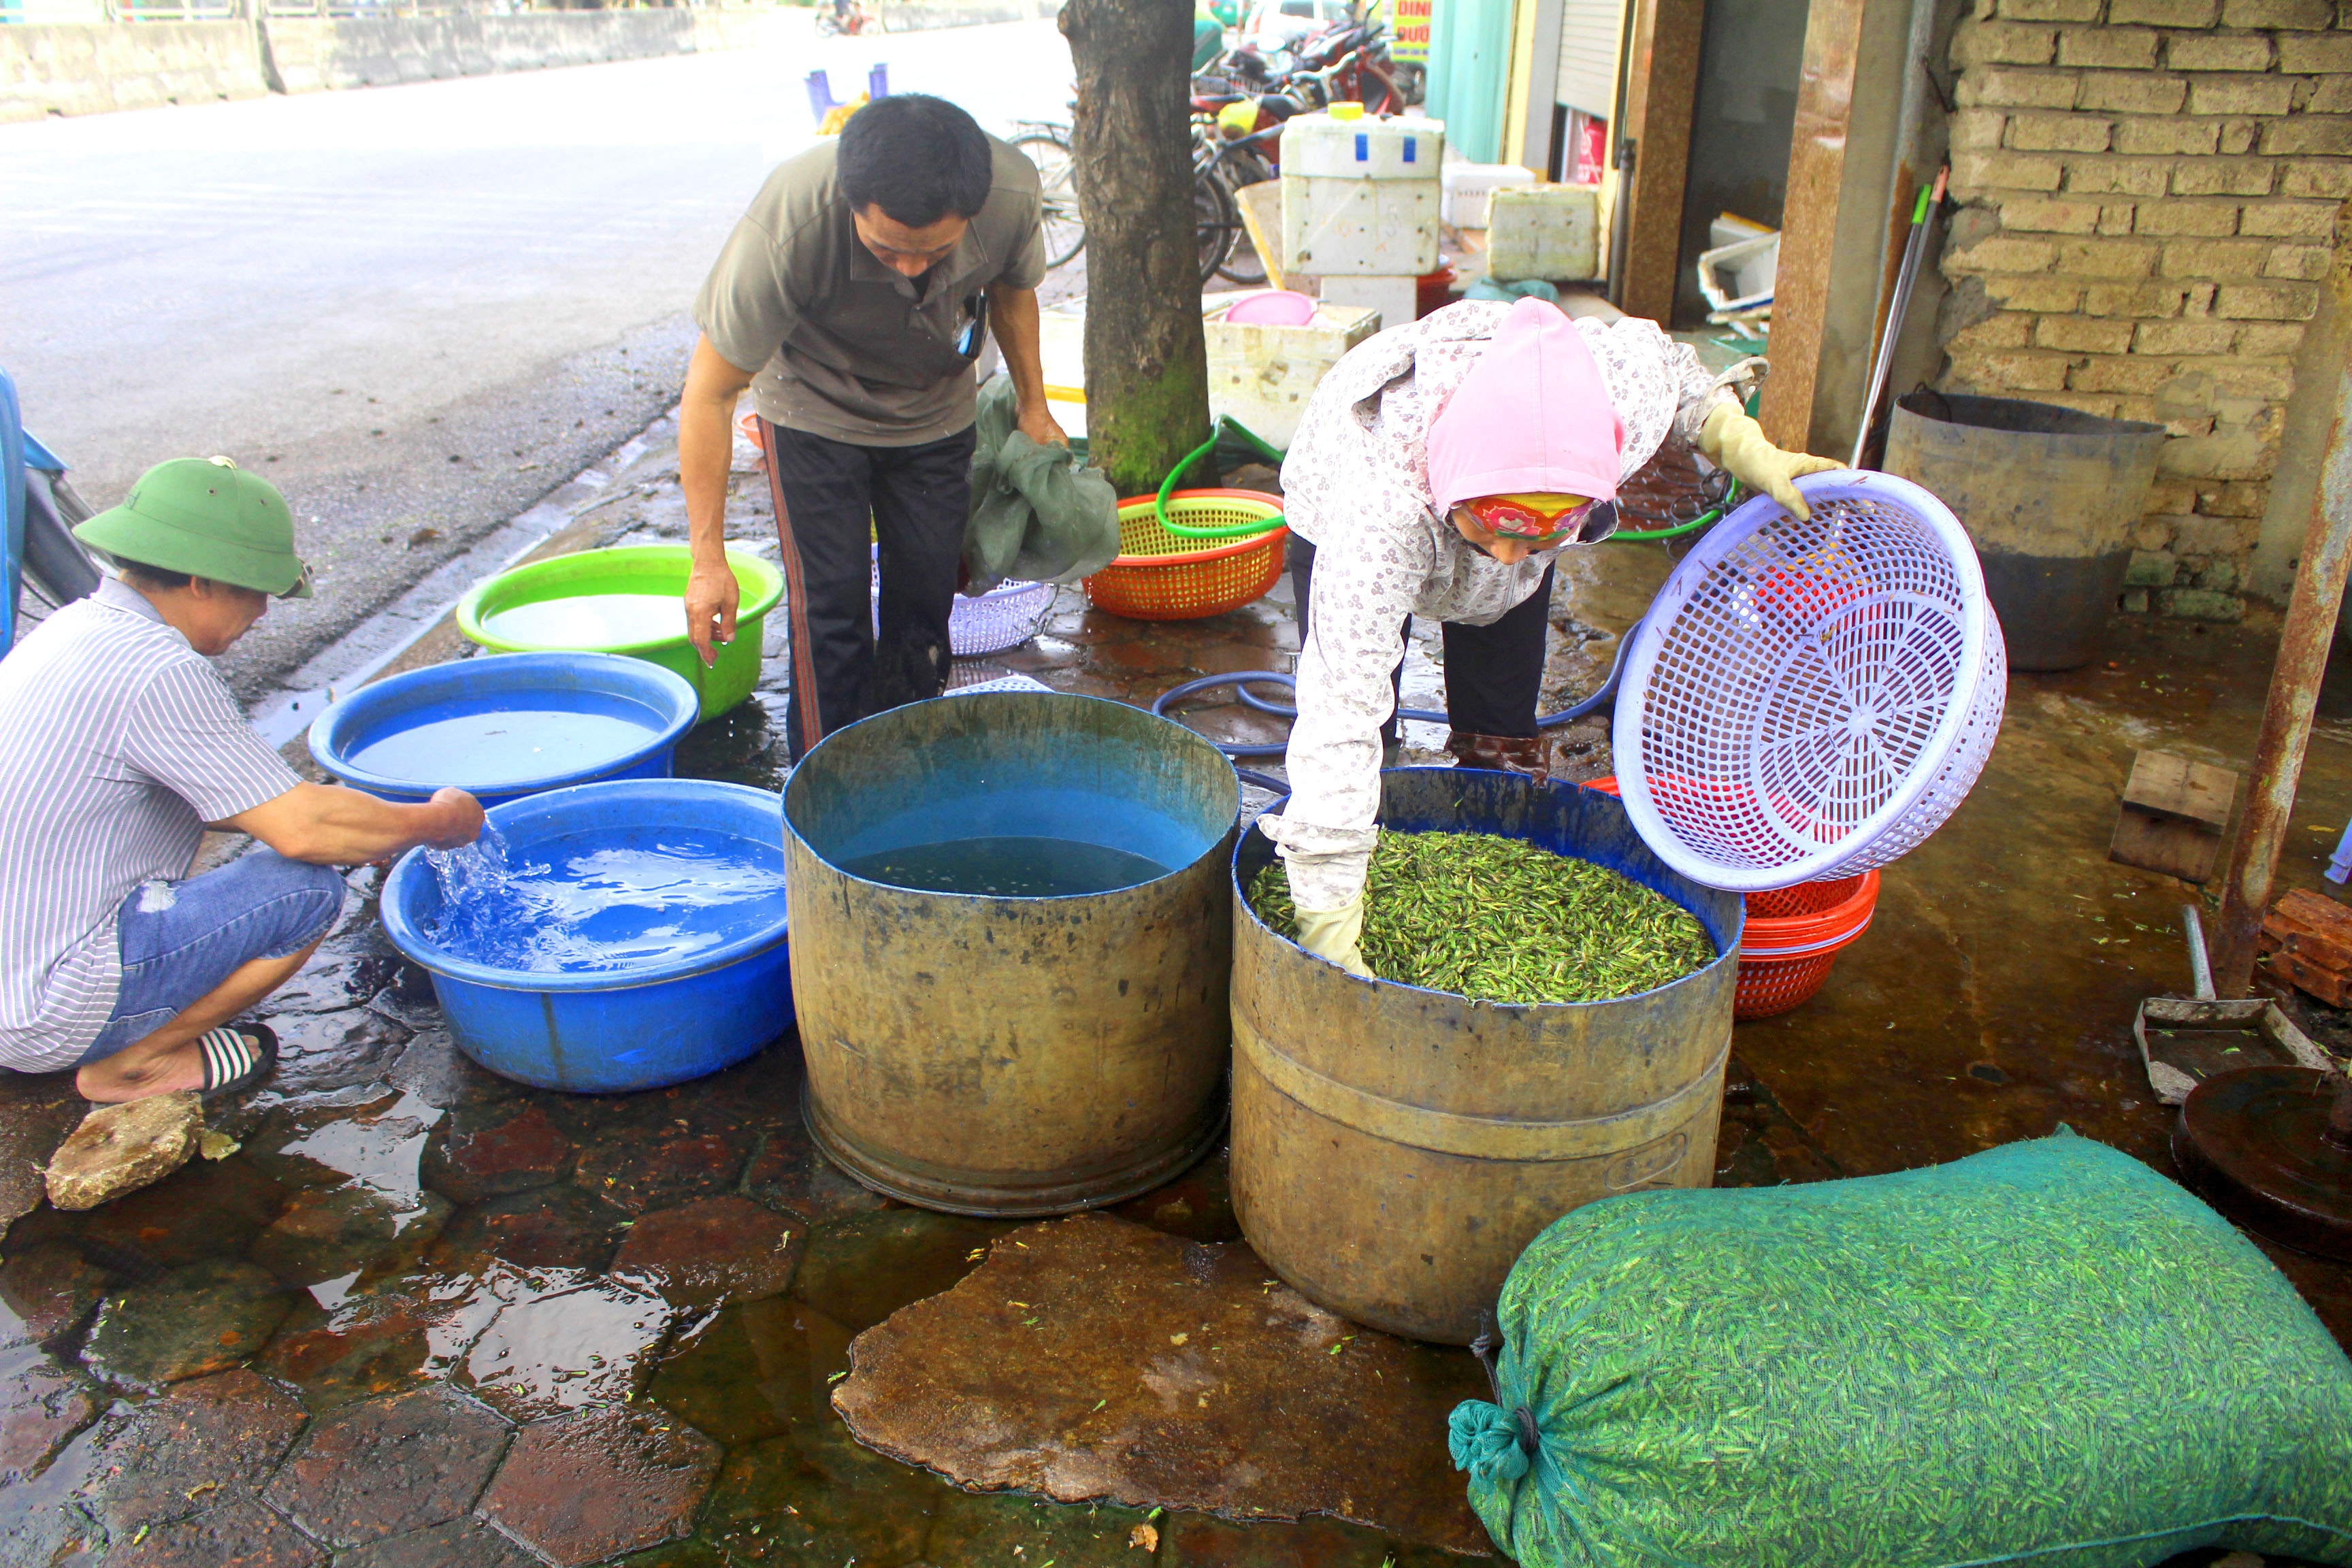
[
  {"x": 637, "y": 1026},
  {"x": 503, "y": 726}
]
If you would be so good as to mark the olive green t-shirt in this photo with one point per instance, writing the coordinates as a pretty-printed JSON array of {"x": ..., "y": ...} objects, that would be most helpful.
[{"x": 845, "y": 347}]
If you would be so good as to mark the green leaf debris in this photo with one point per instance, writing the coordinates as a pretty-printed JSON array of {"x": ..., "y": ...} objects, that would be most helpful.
[{"x": 1500, "y": 920}]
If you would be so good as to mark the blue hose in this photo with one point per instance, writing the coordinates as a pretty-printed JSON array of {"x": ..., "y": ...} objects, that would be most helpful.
[{"x": 1242, "y": 680}]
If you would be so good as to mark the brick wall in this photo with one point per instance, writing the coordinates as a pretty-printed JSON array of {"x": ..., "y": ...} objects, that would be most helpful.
[{"x": 2150, "y": 191}]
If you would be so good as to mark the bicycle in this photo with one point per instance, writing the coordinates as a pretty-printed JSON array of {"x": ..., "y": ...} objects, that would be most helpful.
[{"x": 1048, "y": 147}]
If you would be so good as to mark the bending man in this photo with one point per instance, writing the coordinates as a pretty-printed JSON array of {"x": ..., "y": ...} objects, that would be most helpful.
[{"x": 852, "y": 299}]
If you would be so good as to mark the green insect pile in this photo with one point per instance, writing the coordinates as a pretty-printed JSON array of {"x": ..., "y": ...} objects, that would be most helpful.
[{"x": 1498, "y": 920}]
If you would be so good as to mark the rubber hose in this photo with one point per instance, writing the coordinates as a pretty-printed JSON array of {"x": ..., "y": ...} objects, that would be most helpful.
[{"x": 1242, "y": 680}]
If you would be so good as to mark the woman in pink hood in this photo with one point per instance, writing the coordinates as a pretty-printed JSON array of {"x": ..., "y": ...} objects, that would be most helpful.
[{"x": 1437, "y": 471}]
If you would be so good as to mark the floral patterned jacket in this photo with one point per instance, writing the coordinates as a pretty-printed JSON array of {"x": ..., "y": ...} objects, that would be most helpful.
[{"x": 1356, "y": 486}]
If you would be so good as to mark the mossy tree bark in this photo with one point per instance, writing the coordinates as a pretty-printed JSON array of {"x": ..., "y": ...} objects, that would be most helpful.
[{"x": 1147, "y": 363}]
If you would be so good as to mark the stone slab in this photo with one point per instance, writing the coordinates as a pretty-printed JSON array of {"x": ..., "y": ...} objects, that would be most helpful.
[
  {"x": 1090, "y": 1358},
  {"x": 588, "y": 1486},
  {"x": 205, "y": 1318},
  {"x": 118, "y": 1149},
  {"x": 712, "y": 1250},
  {"x": 204, "y": 1443},
  {"x": 389, "y": 1467}
]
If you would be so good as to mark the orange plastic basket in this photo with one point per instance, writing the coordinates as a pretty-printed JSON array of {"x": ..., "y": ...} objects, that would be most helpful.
[
  {"x": 1818, "y": 920},
  {"x": 1163, "y": 576}
]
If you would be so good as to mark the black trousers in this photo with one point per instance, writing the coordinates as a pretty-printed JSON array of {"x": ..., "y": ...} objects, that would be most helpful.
[
  {"x": 1493, "y": 674},
  {"x": 827, "y": 494}
]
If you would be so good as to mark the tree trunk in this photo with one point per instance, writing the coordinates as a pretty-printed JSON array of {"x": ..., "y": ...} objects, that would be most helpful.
[{"x": 1147, "y": 363}]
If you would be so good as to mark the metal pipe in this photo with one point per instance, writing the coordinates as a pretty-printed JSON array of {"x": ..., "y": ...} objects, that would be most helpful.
[
  {"x": 2200, "y": 971},
  {"x": 1914, "y": 247},
  {"x": 2286, "y": 712}
]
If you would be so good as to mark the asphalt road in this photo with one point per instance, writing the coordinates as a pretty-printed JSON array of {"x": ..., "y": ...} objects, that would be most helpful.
[{"x": 416, "y": 308}]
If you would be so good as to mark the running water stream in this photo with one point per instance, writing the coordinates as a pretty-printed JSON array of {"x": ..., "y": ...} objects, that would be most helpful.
[{"x": 589, "y": 903}]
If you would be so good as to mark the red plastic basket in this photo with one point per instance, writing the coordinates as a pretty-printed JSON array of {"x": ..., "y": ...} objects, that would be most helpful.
[
  {"x": 1793, "y": 936},
  {"x": 1163, "y": 576}
]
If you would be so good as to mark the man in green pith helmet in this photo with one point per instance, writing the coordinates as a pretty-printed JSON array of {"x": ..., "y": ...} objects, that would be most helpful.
[{"x": 120, "y": 743}]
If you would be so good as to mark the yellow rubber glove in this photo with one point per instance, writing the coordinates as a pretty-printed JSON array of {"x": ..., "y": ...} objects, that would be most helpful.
[
  {"x": 1734, "y": 441},
  {"x": 1336, "y": 935}
]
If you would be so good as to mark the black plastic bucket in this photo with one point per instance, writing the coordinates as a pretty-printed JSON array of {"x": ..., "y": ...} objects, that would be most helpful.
[{"x": 2049, "y": 496}]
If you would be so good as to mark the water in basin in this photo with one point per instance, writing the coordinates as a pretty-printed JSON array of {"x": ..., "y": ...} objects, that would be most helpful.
[
  {"x": 585, "y": 903},
  {"x": 498, "y": 746},
  {"x": 590, "y": 621},
  {"x": 1012, "y": 867}
]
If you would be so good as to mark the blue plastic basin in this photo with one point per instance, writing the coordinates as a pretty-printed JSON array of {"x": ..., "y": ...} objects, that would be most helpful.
[
  {"x": 603, "y": 1032},
  {"x": 504, "y": 726}
]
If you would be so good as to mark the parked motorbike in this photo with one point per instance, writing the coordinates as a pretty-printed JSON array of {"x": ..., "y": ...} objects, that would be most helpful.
[
  {"x": 847, "y": 18},
  {"x": 43, "y": 567}
]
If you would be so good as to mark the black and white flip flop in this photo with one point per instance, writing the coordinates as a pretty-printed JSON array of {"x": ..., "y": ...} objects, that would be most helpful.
[{"x": 235, "y": 1057}]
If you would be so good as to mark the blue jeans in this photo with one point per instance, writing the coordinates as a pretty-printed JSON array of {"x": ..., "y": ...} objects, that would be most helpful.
[{"x": 179, "y": 941}]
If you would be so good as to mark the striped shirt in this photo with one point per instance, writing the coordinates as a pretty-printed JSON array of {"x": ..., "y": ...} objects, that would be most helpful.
[{"x": 117, "y": 742}]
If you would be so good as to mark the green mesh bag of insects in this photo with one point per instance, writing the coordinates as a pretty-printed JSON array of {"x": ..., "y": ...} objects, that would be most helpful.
[
  {"x": 1501, "y": 920},
  {"x": 2046, "y": 1353}
]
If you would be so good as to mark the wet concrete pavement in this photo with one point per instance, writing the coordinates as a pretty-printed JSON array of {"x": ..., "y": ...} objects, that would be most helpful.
[{"x": 426, "y": 1316}]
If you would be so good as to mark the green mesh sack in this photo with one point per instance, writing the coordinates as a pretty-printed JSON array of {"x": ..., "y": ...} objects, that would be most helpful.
[{"x": 2047, "y": 1353}]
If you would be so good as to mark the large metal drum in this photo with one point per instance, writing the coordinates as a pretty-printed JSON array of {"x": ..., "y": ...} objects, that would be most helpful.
[
  {"x": 1013, "y": 1056},
  {"x": 1396, "y": 1149}
]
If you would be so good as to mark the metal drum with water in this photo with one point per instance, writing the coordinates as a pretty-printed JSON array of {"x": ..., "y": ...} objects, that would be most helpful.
[
  {"x": 1011, "y": 949},
  {"x": 1396, "y": 1149}
]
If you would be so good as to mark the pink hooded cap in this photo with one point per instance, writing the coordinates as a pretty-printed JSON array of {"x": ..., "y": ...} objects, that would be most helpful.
[{"x": 1534, "y": 414}]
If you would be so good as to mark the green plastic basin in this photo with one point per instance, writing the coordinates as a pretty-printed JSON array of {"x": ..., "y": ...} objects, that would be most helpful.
[{"x": 648, "y": 570}]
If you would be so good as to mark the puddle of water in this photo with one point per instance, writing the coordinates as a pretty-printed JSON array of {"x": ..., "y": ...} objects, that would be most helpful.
[{"x": 549, "y": 1352}]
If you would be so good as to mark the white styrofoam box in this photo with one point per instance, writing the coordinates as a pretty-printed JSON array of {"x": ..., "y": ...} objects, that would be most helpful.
[
  {"x": 1467, "y": 187},
  {"x": 1738, "y": 276},
  {"x": 1360, "y": 196},
  {"x": 1261, "y": 376},
  {"x": 1552, "y": 231},
  {"x": 1395, "y": 298},
  {"x": 1730, "y": 228}
]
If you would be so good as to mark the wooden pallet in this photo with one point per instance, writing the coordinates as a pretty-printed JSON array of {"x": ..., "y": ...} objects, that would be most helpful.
[{"x": 2308, "y": 938}]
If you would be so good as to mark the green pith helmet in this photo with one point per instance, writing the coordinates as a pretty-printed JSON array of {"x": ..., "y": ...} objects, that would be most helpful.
[{"x": 208, "y": 517}]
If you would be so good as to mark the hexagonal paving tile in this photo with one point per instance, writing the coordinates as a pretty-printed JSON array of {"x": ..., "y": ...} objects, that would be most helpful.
[
  {"x": 521, "y": 1149},
  {"x": 329, "y": 1233},
  {"x": 206, "y": 1208},
  {"x": 459, "y": 1544},
  {"x": 643, "y": 1174},
  {"x": 318, "y": 1052},
  {"x": 205, "y": 1318},
  {"x": 202, "y": 1444},
  {"x": 46, "y": 1291},
  {"x": 387, "y": 1467},
  {"x": 561, "y": 1227},
  {"x": 725, "y": 1248},
  {"x": 42, "y": 1405},
  {"x": 241, "y": 1535},
  {"x": 582, "y": 1487},
  {"x": 566, "y": 1349}
]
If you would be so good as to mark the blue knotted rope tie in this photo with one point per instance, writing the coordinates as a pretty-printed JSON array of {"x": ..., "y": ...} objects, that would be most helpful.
[{"x": 1493, "y": 1446}]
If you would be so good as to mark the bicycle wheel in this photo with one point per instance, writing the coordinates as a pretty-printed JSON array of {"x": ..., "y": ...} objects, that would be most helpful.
[
  {"x": 1242, "y": 264},
  {"x": 1058, "y": 179},
  {"x": 1215, "y": 219}
]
